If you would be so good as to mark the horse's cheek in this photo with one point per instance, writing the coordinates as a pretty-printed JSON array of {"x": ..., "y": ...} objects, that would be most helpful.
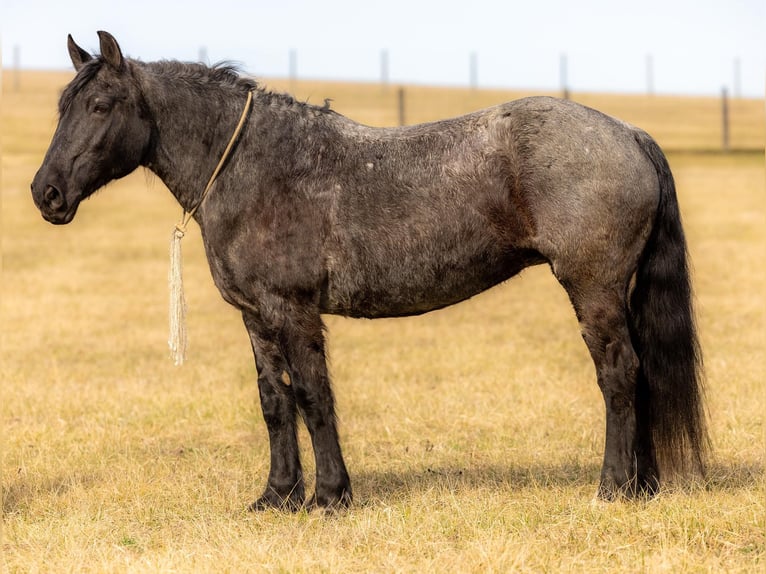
[{"x": 130, "y": 143}]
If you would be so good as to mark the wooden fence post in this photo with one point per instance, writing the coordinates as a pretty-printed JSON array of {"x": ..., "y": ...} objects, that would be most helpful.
[
  {"x": 16, "y": 68},
  {"x": 400, "y": 98},
  {"x": 384, "y": 69},
  {"x": 725, "y": 119},
  {"x": 293, "y": 69}
]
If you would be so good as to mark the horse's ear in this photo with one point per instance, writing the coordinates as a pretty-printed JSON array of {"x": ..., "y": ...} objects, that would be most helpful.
[
  {"x": 78, "y": 55},
  {"x": 110, "y": 50}
]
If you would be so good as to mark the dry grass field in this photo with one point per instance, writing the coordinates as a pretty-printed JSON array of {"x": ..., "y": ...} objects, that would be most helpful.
[{"x": 473, "y": 435}]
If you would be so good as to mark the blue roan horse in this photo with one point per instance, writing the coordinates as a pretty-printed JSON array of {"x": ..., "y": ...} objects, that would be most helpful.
[{"x": 314, "y": 213}]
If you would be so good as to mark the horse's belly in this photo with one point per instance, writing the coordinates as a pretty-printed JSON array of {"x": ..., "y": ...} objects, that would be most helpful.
[{"x": 408, "y": 285}]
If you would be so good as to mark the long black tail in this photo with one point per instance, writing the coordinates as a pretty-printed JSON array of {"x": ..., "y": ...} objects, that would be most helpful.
[{"x": 670, "y": 392}]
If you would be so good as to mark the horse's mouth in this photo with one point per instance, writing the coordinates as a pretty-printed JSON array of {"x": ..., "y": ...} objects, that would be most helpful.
[
  {"x": 60, "y": 215},
  {"x": 53, "y": 204},
  {"x": 58, "y": 218}
]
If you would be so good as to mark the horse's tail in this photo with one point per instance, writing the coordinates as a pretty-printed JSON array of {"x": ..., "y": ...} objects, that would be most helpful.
[{"x": 670, "y": 392}]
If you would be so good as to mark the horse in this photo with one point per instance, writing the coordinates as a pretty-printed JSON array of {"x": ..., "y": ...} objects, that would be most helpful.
[{"x": 313, "y": 213}]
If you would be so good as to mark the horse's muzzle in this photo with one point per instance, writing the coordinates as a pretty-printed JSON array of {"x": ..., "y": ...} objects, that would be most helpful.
[{"x": 52, "y": 203}]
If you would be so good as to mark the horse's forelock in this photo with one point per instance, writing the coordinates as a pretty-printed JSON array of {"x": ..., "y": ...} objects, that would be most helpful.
[{"x": 83, "y": 77}]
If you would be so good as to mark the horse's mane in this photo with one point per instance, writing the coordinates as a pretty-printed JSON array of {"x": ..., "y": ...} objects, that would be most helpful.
[
  {"x": 222, "y": 73},
  {"x": 225, "y": 74}
]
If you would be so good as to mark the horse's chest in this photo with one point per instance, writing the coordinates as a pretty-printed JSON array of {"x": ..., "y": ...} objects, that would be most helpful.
[{"x": 246, "y": 260}]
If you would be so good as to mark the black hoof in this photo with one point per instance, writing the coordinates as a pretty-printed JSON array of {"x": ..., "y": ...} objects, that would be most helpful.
[
  {"x": 648, "y": 483},
  {"x": 333, "y": 502},
  {"x": 643, "y": 486},
  {"x": 607, "y": 491},
  {"x": 271, "y": 499}
]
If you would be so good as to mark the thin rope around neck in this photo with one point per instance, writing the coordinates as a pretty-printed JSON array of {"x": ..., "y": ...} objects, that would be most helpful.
[{"x": 177, "y": 340}]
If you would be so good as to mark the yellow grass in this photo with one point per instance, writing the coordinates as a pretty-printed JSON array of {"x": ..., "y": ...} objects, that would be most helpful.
[{"x": 473, "y": 435}]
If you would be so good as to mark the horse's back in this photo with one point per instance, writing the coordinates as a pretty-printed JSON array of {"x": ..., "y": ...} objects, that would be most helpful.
[
  {"x": 429, "y": 215},
  {"x": 422, "y": 218}
]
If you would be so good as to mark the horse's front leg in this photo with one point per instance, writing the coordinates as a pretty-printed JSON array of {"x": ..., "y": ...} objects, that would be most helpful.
[
  {"x": 302, "y": 339},
  {"x": 291, "y": 342},
  {"x": 285, "y": 487}
]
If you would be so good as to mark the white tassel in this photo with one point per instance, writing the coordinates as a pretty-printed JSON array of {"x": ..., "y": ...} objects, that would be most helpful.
[{"x": 177, "y": 339}]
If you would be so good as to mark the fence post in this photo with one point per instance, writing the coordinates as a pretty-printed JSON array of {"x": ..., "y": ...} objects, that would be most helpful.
[
  {"x": 563, "y": 76},
  {"x": 649, "y": 75},
  {"x": 16, "y": 68},
  {"x": 725, "y": 118},
  {"x": 384, "y": 69},
  {"x": 400, "y": 98},
  {"x": 293, "y": 69}
]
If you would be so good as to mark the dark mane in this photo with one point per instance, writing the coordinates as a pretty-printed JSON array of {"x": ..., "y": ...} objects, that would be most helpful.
[
  {"x": 222, "y": 73},
  {"x": 225, "y": 74},
  {"x": 229, "y": 74},
  {"x": 283, "y": 100}
]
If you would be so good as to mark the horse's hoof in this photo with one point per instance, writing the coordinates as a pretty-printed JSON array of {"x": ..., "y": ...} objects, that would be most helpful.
[
  {"x": 648, "y": 483},
  {"x": 270, "y": 499},
  {"x": 607, "y": 491},
  {"x": 331, "y": 504},
  {"x": 645, "y": 485}
]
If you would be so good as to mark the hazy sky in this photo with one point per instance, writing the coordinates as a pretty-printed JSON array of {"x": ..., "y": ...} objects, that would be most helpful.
[{"x": 692, "y": 44}]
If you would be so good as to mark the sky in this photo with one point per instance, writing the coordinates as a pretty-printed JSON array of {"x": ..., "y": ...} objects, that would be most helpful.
[{"x": 694, "y": 47}]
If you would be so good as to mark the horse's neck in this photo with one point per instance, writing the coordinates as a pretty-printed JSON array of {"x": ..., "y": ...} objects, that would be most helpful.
[{"x": 192, "y": 130}]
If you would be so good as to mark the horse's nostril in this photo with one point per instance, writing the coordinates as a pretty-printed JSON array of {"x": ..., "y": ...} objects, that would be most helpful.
[
  {"x": 52, "y": 196},
  {"x": 51, "y": 193}
]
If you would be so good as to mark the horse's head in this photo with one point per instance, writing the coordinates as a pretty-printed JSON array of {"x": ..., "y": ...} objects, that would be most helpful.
[{"x": 103, "y": 132}]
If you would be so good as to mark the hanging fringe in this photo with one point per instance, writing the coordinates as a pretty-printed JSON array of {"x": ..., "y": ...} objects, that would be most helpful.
[{"x": 177, "y": 340}]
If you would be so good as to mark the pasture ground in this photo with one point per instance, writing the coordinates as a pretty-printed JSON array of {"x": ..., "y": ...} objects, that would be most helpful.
[{"x": 473, "y": 435}]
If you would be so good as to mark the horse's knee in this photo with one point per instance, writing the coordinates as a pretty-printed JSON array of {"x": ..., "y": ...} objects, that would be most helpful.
[
  {"x": 315, "y": 401},
  {"x": 277, "y": 400},
  {"x": 310, "y": 385}
]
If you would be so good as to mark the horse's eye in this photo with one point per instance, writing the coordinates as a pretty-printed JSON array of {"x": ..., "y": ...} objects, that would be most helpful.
[{"x": 101, "y": 107}]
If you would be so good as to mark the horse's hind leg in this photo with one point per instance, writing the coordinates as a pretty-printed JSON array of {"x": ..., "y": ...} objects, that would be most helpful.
[{"x": 602, "y": 312}]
